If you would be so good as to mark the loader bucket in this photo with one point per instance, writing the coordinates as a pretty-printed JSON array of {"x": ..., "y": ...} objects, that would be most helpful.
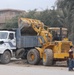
[{"x": 26, "y": 28}]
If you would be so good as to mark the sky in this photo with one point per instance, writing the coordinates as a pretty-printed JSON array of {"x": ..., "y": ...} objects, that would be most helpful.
[{"x": 27, "y": 4}]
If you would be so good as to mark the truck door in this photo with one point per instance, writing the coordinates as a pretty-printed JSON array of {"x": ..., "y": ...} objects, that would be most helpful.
[{"x": 12, "y": 40}]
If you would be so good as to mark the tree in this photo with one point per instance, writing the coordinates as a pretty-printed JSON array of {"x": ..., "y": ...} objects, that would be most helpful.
[
  {"x": 48, "y": 17},
  {"x": 67, "y": 8},
  {"x": 12, "y": 23}
]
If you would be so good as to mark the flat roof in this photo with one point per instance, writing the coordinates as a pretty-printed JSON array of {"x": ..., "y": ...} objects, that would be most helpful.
[
  {"x": 57, "y": 28},
  {"x": 17, "y": 10}
]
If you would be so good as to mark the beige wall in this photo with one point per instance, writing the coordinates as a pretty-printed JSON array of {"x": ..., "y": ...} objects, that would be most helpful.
[{"x": 8, "y": 14}]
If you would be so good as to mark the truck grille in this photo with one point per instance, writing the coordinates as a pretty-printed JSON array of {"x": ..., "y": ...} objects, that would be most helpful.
[{"x": 65, "y": 47}]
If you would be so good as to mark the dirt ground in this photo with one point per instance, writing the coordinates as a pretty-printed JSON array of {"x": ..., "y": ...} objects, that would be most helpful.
[{"x": 20, "y": 67}]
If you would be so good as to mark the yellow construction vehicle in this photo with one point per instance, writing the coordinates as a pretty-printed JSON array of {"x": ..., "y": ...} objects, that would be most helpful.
[
  {"x": 54, "y": 45},
  {"x": 62, "y": 44}
]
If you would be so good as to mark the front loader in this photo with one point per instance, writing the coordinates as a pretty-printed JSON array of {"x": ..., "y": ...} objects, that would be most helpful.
[{"x": 50, "y": 50}]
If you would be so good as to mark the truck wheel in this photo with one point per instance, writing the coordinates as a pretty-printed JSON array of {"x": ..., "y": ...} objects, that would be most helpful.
[
  {"x": 33, "y": 57},
  {"x": 5, "y": 57},
  {"x": 19, "y": 53},
  {"x": 47, "y": 57}
]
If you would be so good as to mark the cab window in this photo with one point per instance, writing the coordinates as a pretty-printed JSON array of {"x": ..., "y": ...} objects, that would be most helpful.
[{"x": 11, "y": 36}]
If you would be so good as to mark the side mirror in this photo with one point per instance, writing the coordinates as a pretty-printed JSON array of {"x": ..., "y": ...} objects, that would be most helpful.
[{"x": 1, "y": 42}]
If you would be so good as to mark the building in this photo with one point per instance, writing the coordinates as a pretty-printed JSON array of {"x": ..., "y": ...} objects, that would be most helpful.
[{"x": 7, "y": 14}]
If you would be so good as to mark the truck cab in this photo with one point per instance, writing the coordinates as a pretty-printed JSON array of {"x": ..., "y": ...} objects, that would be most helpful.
[{"x": 7, "y": 44}]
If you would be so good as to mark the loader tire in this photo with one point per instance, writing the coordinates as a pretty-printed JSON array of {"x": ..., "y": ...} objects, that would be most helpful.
[
  {"x": 5, "y": 57},
  {"x": 47, "y": 57},
  {"x": 33, "y": 57}
]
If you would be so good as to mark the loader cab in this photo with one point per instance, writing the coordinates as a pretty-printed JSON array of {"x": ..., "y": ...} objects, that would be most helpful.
[{"x": 58, "y": 33}]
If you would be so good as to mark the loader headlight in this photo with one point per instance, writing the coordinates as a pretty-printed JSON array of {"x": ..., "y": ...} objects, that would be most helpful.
[{"x": 46, "y": 34}]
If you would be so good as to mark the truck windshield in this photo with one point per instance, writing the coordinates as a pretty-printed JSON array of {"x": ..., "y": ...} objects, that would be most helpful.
[{"x": 3, "y": 35}]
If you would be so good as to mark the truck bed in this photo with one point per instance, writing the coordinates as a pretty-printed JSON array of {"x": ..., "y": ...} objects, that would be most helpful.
[{"x": 30, "y": 41}]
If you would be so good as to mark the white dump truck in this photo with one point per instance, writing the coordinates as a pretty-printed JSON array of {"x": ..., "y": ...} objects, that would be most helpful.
[{"x": 18, "y": 41}]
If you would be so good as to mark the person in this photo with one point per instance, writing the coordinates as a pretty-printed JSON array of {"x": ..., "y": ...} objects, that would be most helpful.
[{"x": 70, "y": 59}]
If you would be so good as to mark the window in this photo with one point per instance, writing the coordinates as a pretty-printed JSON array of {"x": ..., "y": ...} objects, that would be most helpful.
[
  {"x": 11, "y": 36},
  {"x": 3, "y": 35}
]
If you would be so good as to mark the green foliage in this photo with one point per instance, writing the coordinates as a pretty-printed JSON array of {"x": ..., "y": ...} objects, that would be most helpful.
[
  {"x": 12, "y": 23},
  {"x": 67, "y": 8},
  {"x": 48, "y": 17},
  {"x": 32, "y": 14}
]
